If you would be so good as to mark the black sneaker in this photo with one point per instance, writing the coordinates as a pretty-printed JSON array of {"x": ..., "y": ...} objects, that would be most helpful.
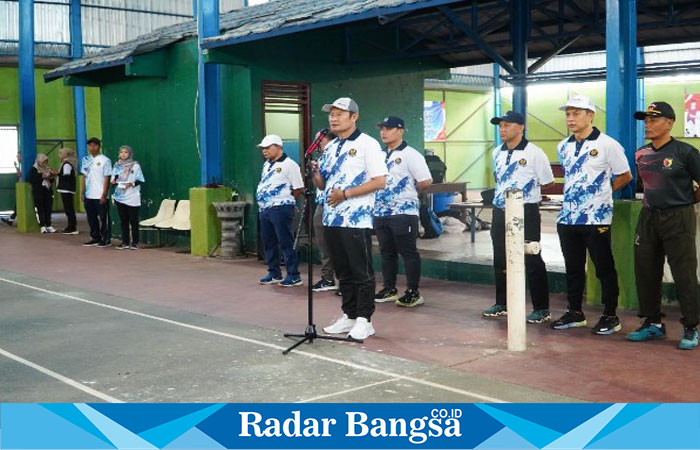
[
  {"x": 91, "y": 243},
  {"x": 105, "y": 244},
  {"x": 607, "y": 325},
  {"x": 122, "y": 246},
  {"x": 571, "y": 319},
  {"x": 69, "y": 231},
  {"x": 410, "y": 299},
  {"x": 324, "y": 285},
  {"x": 386, "y": 295},
  {"x": 7, "y": 222}
]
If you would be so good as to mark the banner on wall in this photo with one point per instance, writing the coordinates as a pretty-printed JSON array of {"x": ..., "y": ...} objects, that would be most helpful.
[
  {"x": 434, "y": 121},
  {"x": 692, "y": 118}
]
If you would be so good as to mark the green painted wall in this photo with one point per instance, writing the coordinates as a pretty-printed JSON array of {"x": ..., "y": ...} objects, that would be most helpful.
[
  {"x": 470, "y": 140},
  {"x": 54, "y": 118},
  {"x": 673, "y": 93},
  {"x": 156, "y": 115},
  {"x": 545, "y": 123}
]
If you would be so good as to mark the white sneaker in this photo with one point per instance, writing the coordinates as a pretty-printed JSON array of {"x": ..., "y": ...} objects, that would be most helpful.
[
  {"x": 342, "y": 325},
  {"x": 362, "y": 329},
  {"x": 50, "y": 230},
  {"x": 44, "y": 230}
]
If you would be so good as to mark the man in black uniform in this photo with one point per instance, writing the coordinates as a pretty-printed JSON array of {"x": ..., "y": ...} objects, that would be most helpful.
[{"x": 666, "y": 226}]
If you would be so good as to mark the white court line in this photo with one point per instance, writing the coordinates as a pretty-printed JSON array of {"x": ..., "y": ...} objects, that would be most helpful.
[
  {"x": 60, "y": 377},
  {"x": 484, "y": 398},
  {"x": 346, "y": 391}
]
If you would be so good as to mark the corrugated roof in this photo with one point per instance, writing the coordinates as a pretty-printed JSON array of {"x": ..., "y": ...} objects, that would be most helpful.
[
  {"x": 287, "y": 16},
  {"x": 583, "y": 30},
  {"x": 105, "y": 23},
  {"x": 122, "y": 53},
  {"x": 253, "y": 20}
]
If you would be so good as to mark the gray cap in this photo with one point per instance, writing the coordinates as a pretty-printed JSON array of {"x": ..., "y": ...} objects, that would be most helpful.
[{"x": 344, "y": 103}]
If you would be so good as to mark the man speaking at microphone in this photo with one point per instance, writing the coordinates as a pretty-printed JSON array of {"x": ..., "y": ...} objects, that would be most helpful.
[{"x": 350, "y": 171}]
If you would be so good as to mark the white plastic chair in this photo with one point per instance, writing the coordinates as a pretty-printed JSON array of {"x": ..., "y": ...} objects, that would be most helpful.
[
  {"x": 182, "y": 217},
  {"x": 165, "y": 212},
  {"x": 180, "y": 220}
]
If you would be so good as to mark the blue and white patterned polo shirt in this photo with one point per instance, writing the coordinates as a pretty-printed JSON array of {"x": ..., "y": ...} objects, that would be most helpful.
[
  {"x": 406, "y": 168},
  {"x": 348, "y": 163},
  {"x": 278, "y": 180},
  {"x": 588, "y": 166},
  {"x": 525, "y": 167}
]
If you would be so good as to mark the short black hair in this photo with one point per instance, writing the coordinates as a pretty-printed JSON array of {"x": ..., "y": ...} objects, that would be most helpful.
[{"x": 94, "y": 140}]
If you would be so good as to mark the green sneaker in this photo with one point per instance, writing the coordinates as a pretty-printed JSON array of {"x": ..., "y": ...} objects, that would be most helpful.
[
  {"x": 689, "y": 340},
  {"x": 495, "y": 311},
  {"x": 539, "y": 316},
  {"x": 647, "y": 332}
]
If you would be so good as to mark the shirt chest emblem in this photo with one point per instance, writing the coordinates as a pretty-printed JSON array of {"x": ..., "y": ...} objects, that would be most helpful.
[
  {"x": 668, "y": 162},
  {"x": 522, "y": 162},
  {"x": 278, "y": 170},
  {"x": 98, "y": 164},
  {"x": 593, "y": 153},
  {"x": 352, "y": 152},
  {"x": 397, "y": 161}
]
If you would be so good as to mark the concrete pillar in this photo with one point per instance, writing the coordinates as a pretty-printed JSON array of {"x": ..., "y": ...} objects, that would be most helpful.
[
  {"x": 206, "y": 228},
  {"x": 515, "y": 268},
  {"x": 625, "y": 214}
]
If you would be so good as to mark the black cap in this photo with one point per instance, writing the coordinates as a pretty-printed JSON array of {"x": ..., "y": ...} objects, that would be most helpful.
[
  {"x": 392, "y": 122},
  {"x": 94, "y": 140},
  {"x": 656, "y": 109},
  {"x": 510, "y": 117}
]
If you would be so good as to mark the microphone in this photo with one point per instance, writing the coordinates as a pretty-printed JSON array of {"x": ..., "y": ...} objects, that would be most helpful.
[{"x": 317, "y": 142}]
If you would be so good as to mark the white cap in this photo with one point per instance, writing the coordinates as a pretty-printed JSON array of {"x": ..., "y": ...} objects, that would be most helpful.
[
  {"x": 270, "y": 139},
  {"x": 344, "y": 103},
  {"x": 580, "y": 102}
]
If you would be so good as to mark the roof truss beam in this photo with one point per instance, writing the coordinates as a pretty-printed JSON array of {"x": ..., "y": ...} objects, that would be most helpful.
[{"x": 476, "y": 37}]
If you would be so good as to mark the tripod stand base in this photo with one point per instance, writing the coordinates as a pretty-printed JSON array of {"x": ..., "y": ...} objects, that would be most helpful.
[{"x": 310, "y": 334}]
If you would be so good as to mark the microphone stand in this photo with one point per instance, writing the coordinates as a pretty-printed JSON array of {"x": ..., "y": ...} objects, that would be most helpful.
[{"x": 310, "y": 333}]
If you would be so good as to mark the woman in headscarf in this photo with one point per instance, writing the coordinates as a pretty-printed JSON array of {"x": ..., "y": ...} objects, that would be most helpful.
[
  {"x": 127, "y": 178},
  {"x": 66, "y": 187},
  {"x": 41, "y": 178}
]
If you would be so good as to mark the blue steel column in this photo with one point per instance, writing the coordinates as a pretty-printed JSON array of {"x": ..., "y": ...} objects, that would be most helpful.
[
  {"x": 27, "y": 112},
  {"x": 76, "y": 45},
  {"x": 621, "y": 88},
  {"x": 497, "y": 109},
  {"x": 520, "y": 12},
  {"x": 209, "y": 98},
  {"x": 641, "y": 102}
]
